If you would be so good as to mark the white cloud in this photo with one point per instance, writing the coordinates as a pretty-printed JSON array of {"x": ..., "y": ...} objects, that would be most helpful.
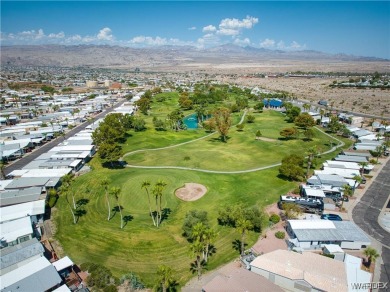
[
  {"x": 267, "y": 43},
  {"x": 244, "y": 42},
  {"x": 208, "y": 40},
  {"x": 209, "y": 28},
  {"x": 228, "y": 31},
  {"x": 233, "y": 23},
  {"x": 192, "y": 28},
  {"x": 294, "y": 46},
  {"x": 59, "y": 35},
  {"x": 105, "y": 34},
  {"x": 142, "y": 41},
  {"x": 39, "y": 37}
]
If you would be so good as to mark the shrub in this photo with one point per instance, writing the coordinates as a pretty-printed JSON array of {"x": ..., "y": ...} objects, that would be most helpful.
[
  {"x": 280, "y": 234},
  {"x": 52, "y": 201},
  {"x": 250, "y": 119},
  {"x": 274, "y": 218}
]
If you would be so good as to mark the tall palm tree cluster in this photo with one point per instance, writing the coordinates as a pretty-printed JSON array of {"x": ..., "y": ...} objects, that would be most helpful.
[
  {"x": 113, "y": 192},
  {"x": 157, "y": 192},
  {"x": 202, "y": 237}
]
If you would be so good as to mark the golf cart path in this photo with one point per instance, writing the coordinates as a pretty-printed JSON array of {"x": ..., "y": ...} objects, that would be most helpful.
[{"x": 341, "y": 144}]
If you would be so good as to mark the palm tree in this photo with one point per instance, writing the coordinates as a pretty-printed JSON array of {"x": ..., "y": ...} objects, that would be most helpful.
[
  {"x": 347, "y": 192},
  {"x": 196, "y": 249},
  {"x": 322, "y": 112},
  {"x": 209, "y": 236},
  {"x": 363, "y": 165},
  {"x": 64, "y": 190},
  {"x": 378, "y": 151},
  {"x": 158, "y": 193},
  {"x": 104, "y": 183},
  {"x": 312, "y": 151},
  {"x": 165, "y": 277},
  {"x": 66, "y": 181},
  {"x": 115, "y": 191},
  {"x": 243, "y": 226},
  {"x": 358, "y": 180},
  {"x": 306, "y": 107},
  {"x": 371, "y": 255},
  {"x": 145, "y": 185}
]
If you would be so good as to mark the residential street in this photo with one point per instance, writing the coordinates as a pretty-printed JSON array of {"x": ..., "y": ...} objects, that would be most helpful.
[
  {"x": 20, "y": 163},
  {"x": 366, "y": 213}
]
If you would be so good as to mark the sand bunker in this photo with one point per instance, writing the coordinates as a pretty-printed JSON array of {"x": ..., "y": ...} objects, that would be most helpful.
[{"x": 191, "y": 192}]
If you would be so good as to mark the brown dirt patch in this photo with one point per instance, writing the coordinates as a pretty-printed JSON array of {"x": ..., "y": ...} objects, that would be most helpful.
[{"x": 191, "y": 192}]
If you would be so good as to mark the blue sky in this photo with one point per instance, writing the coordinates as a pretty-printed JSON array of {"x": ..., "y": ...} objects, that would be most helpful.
[{"x": 352, "y": 27}]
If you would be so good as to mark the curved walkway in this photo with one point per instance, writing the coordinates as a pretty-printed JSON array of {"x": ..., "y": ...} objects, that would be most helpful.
[{"x": 341, "y": 144}]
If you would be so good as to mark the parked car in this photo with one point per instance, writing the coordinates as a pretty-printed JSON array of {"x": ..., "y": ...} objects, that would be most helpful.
[{"x": 333, "y": 217}]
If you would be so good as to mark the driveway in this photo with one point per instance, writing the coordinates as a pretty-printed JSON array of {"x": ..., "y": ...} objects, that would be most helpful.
[
  {"x": 22, "y": 162},
  {"x": 367, "y": 211}
]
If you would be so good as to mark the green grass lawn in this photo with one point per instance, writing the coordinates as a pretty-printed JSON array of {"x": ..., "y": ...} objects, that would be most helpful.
[
  {"x": 140, "y": 247},
  {"x": 241, "y": 152}
]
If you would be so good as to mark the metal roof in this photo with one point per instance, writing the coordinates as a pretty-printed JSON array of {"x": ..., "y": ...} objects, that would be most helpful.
[
  {"x": 18, "y": 253},
  {"x": 25, "y": 182},
  {"x": 12, "y": 230},
  {"x": 351, "y": 158},
  {"x": 13, "y": 197},
  {"x": 22, "y": 210},
  {"x": 38, "y": 274},
  {"x": 63, "y": 263},
  {"x": 316, "y": 230}
]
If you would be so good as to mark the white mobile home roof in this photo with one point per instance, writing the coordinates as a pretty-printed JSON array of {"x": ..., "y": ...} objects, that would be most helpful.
[
  {"x": 341, "y": 164},
  {"x": 351, "y": 158},
  {"x": 37, "y": 172},
  {"x": 372, "y": 137},
  {"x": 22, "y": 210},
  {"x": 21, "y": 142},
  {"x": 27, "y": 182},
  {"x": 72, "y": 148},
  {"x": 353, "y": 153},
  {"x": 345, "y": 173},
  {"x": 12, "y": 197},
  {"x": 12, "y": 255},
  {"x": 12, "y": 230},
  {"x": 365, "y": 147},
  {"x": 354, "y": 273},
  {"x": 63, "y": 263},
  {"x": 83, "y": 137},
  {"x": 327, "y": 230},
  {"x": 310, "y": 192},
  {"x": 38, "y": 274},
  {"x": 68, "y": 155}
]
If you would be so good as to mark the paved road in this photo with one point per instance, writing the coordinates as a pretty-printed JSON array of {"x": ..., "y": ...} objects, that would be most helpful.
[
  {"x": 19, "y": 164},
  {"x": 366, "y": 214}
]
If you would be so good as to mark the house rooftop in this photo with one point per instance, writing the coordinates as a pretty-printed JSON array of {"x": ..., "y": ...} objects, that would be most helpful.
[
  {"x": 240, "y": 280},
  {"x": 320, "y": 272},
  {"x": 18, "y": 253},
  {"x": 327, "y": 230},
  {"x": 12, "y": 230},
  {"x": 12, "y": 197},
  {"x": 22, "y": 210},
  {"x": 63, "y": 263},
  {"x": 39, "y": 274}
]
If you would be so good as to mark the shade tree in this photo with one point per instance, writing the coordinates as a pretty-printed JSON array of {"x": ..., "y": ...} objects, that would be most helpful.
[{"x": 223, "y": 121}]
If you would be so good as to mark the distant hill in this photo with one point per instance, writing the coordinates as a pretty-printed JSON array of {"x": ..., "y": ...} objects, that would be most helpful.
[{"x": 164, "y": 56}]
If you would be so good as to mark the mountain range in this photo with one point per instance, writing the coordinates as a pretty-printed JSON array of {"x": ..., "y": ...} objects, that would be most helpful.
[{"x": 163, "y": 56}]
